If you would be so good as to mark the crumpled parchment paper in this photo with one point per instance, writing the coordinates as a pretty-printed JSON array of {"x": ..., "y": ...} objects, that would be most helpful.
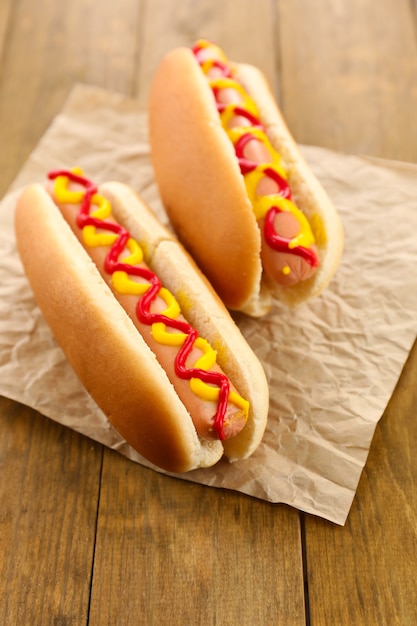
[{"x": 331, "y": 364}]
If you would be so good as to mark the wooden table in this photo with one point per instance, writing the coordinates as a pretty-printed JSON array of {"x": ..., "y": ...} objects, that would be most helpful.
[{"x": 89, "y": 537}]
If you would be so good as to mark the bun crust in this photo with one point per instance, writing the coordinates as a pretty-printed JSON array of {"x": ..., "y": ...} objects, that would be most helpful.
[
  {"x": 101, "y": 342},
  {"x": 200, "y": 182},
  {"x": 204, "y": 192}
]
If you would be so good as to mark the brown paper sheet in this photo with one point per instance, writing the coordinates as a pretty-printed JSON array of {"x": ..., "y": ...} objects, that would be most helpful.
[{"x": 332, "y": 364}]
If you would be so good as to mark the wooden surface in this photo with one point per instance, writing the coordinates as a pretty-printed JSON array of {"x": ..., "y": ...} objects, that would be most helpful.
[{"x": 85, "y": 535}]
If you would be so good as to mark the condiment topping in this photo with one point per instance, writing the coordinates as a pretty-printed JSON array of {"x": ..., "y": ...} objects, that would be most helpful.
[
  {"x": 240, "y": 119},
  {"x": 167, "y": 327}
]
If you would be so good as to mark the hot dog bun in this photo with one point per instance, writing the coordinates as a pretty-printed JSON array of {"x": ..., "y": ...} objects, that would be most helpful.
[
  {"x": 105, "y": 349},
  {"x": 204, "y": 193}
]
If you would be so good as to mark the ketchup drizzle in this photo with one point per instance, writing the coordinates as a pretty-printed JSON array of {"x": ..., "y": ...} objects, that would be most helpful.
[
  {"x": 273, "y": 239},
  {"x": 144, "y": 304}
]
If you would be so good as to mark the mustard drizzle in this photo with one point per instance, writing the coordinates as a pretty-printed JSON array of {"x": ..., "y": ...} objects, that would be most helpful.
[
  {"x": 281, "y": 201},
  {"x": 124, "y": 285}
]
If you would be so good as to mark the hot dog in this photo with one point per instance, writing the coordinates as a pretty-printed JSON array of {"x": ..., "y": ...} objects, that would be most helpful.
[
  {"x": 124, "y": 301},
  {"x": 235, "y": 186}
]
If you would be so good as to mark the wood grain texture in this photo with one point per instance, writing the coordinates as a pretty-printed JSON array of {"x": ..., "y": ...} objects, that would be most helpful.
[
  {"x": 167, "y": 551},
  {"x": 49, "y": 498},
  {"x": 172, "y": 552},
  {"x": 49, "y": 48},
  {"x": 230, "y": 24},
  {"x": 349, "y": 82}
]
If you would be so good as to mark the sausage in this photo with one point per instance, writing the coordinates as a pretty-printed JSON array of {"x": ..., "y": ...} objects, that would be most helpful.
[
  {"x": 201, "y": 409},
  {"x": 283, "y": 267}
]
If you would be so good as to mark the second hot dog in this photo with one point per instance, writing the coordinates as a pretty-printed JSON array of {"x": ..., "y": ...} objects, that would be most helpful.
[{"x": 235, "y": 185}]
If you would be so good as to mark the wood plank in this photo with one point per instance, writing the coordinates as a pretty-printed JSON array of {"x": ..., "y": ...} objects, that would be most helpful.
[
  {"x": 173, "y": 552},
  {"x": 346, "y": 75},
  {"x": 349, "y": 71},
  {"x": 349, "y": 86},
  {"x": 49, "y": 498},
  {"x": 366, "y": 570},
  {"x": 48, "y": 50},
  {"x": 244, "y": 30}
]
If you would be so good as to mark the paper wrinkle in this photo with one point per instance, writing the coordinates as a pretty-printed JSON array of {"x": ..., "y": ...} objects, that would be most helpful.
[{"x": 331, "y": 364}]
